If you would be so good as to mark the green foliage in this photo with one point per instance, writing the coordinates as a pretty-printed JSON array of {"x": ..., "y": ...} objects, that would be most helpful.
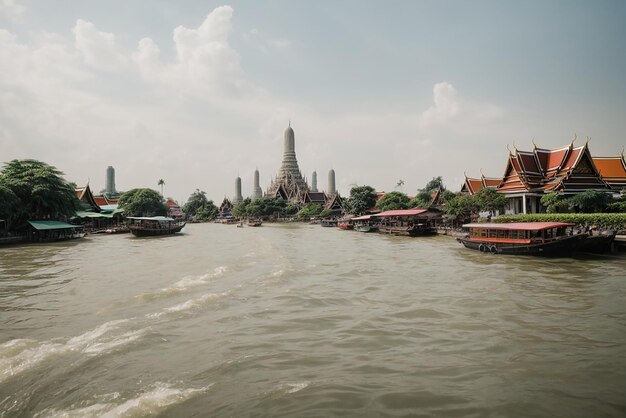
[
  {"x": 260, "y": 208},
  {"x": 555, "y": 203},
  {"x": 462, "y": 206},
  {"x": 447, "y": 196},
  {"x": 615, "y": 221},
  {"x": 291, "y": 209},
  {"x": 361, "y": 200},
  {"x": 589, "y": 202},
  {"x": 309, "y": 211},
  {"x": 199, "y": 207},
  {"x": 435, "y": 184},
  {"x": 142, "y": 202},
  {"x": 393, "y": 201},
  {"x": 325, "y": 213},
  {"x": 240, "y": 210},
  {"x": 422, "y": 200},
  {"x": 619, "y": 207},
  {"x": 31, "y": 189},
  {"x": 489, "y": 200}
]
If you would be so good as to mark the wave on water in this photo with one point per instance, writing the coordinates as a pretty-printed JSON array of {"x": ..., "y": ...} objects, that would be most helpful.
[
  {"x": 151, "y": 402},
  {"x": 190, "y": 304},
  {"x": 17, "y": 356},
  {"x": 184, "y": 284}
]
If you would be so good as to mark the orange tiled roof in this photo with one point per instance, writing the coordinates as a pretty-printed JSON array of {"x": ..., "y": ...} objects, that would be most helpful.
[
  {"x": 568, "y": 169},
  {"x": 612, "y": 170}
]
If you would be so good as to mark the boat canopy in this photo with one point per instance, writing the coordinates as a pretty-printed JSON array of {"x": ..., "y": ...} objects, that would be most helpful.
[
  {"x": 521, "y": 226},
  {"x": 362, "y": 218},
  {"x": 151, "y": 218},
  {"x": 401, "y": 212},
  {"x": 48, "y": 225}
]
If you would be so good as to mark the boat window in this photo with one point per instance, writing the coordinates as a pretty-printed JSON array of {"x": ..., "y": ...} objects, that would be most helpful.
[
  {"x": 483, "y": 232},
  {"x": 492, "y": 233},
  {"x": 534, "y": 234},
  {"x": 501, "y": 233},
  {"x": 549, "y": 233}
]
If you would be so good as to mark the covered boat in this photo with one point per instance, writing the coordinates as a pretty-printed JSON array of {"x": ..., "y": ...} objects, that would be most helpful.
[
  {"x": 365, "y": 223},
  {"x": 409, "y": 222},
  {"x": 48, "y": 231},
  {"x": 142, "y": 226},
  {"x": 533, "y": 238}
]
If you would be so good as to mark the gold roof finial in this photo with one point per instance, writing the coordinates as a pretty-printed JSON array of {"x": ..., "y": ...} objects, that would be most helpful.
[
  {"x": 534, "y": 145},
  {"x": 575, "y": 138}
]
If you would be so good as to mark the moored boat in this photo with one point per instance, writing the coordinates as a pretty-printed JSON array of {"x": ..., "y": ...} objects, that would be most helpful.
[
  {"x": 255, "y": 222},
  {"x": 409, "y": 222},
  {"x": 143, "y": 226},
  {"x": 532, "y": 238},
  {"x": 345, "y": 224},
  {"x": 365, "y": 223}
]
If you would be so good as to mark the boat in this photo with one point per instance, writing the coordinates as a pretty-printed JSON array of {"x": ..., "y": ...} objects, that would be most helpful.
[
  {"x": 144, "y": 226},
  {"x": 255, "y": 222},
  {"x": 365, "y": 223},
  {"x": 345, "y": 224},
  {"x": 531, "y": 238},
  {"x": 50, "y": 231},
  {"x": 328, "y": 222},
  {"x": 408, "y": 222}
]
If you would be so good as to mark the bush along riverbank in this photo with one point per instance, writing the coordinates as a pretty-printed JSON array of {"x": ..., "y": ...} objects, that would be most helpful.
[{"x": 612, "y": 221}]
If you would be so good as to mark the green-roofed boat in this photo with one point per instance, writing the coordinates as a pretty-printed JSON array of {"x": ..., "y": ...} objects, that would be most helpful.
[
  {"x": 48, "y": 231},
  {"x": 142, "y": 226}
]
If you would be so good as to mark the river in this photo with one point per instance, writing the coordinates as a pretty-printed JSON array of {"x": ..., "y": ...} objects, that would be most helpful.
[{"x": 300, "y": 320}]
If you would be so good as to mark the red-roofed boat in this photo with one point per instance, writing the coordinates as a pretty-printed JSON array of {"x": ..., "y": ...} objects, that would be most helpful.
[
  {"x": 532, "y": 238},
  {"x": 409, "y": 222}
]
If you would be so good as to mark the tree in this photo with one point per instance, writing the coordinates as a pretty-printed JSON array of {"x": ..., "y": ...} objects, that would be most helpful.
[
  {"x": 490, "y": 200},
  {"x": 435, "y": 184},
  {"x": 422, "y": 200},
  {"x": 142, "y": 202},
  {"x": 590, "y": 201},
  {"x": 32, "y": 189},
  {"x": 240, "y": 209},
  {"x": 393, "y": 201},
  {"x": 554, "y": 203},
  {"x": 462, "y": 206},
  {"x": 161, "y": 183},
  {"x": 361, "y": 200},
  {"x": 199, "y": 207},
  {"x": 310, "y": 210}
]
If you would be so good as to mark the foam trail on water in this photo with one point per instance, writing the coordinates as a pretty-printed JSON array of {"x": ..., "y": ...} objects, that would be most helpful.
[
  {"x": 185, "y": 283},
  {"x": 17, "y": 356},
  {"x": 151, "y": 402},
  {"x": 189, "y": 304}
]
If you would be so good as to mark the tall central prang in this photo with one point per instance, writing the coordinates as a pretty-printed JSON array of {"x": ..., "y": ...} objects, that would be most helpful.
[{"x": 289, "y": 183}]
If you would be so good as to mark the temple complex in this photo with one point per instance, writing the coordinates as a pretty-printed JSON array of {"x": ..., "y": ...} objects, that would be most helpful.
[
  {"x": 288, "y": 183},
  {"x": 568, "y": 170},
  {"x": 257, "y": 193}
]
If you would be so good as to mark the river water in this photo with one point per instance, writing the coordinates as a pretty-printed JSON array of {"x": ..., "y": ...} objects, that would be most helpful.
[{"x": 300, "y": 320}]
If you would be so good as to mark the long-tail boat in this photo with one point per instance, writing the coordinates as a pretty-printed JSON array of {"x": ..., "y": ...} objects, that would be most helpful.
[
  {"x": 143, "y": 226},
  {"x": 533, "y": 238}
]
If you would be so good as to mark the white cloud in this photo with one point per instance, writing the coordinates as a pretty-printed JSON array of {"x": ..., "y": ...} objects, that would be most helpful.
[
  {"x": 205, "y": 61},
  {"x": 265, "y": 43},
  {"x": 445, "y": 106},
  {"x": 12, "y": 10},
  {"x": 98, "y": 48}
]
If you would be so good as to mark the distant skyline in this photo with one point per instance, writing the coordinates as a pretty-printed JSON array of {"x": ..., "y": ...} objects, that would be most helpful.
[{"x": 199, "y": 92}]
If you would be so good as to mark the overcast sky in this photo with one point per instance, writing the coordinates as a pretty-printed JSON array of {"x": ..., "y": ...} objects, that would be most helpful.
[{"x": 199, "y": 92}]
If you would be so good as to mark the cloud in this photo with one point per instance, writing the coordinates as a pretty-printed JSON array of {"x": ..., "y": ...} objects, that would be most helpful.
[
  {"x": 205, "y": 62},
  {"x": 265, "y": 43},
  {"x": 12, "y": 10},
  {"x": 98, "y": 48},
  {"x": 450, "y": 111}
]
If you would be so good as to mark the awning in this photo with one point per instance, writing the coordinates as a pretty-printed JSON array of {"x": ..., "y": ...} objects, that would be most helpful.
[{"x": 48, "y": 225}]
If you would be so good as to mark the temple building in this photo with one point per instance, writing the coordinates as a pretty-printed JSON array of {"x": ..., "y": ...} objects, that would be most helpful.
[
  {"x": 238, "y": 196},
  {"x": 288, "y": 183},
  {"x": 257, "y": 192},
  {"x": 529, "y": 175}
]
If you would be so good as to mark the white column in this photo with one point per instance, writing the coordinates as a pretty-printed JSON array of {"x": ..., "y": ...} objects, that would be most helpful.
[{"x": 524, "y": 204}]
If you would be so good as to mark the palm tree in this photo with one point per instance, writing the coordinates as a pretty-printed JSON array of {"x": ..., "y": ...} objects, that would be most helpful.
[
  {"x": 161, "y": 183},
  {"x": 400, "y": 184}
]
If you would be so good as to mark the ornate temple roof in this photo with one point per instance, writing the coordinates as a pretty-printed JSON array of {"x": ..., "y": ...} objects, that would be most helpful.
[
  {"x": 474, "y": 185},
  {"x": 568, "y": 169},
  {"x": 612, "y": 170},
  {"x": 289, "y": 183},
  {"x": 87, "y": 199}
]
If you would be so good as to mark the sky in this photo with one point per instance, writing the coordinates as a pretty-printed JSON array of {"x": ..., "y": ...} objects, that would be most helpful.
[{"x": 199, "y": 92}]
